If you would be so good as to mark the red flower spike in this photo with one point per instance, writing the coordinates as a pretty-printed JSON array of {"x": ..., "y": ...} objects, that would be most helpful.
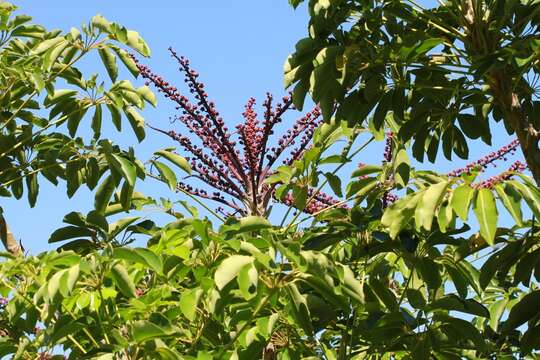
[{"x": 236, "y": 171}]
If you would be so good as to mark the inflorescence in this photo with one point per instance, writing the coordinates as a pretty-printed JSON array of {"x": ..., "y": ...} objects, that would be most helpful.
[
  {"x": 235, "y": 163},
  {"x": 482, "y": 164}
]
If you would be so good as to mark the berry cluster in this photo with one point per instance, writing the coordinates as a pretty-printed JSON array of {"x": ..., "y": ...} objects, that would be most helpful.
[
  {"x": 482, "y": 164},
  {"x": 236, "y": 163},
  {"x": 320, "y": 202},
  {"x": 517, "y": 166},
  {"x": 389, "y": 147}
]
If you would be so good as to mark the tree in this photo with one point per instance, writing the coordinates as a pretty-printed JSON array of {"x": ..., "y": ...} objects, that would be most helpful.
[
  {"x": 244, "y": 180},
  {"x": 443, "y": 74},
  {"x": 392, "y": 268},
  {"x": 33, "y": 64}
]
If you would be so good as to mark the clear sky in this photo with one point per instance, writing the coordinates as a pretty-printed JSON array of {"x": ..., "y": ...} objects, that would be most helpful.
[{"x": 238, "y": 47}]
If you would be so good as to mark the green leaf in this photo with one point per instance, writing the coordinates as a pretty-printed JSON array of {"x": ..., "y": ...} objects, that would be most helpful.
[
  {"x": 465, "y": 330},
  {"x": 116, "y": 116},
  {"x": 511, "y": 201},
  {"x": 425, "y": 211},
  {"x": 101, "y": 23},
  {"x": 366, "y": 170},
  {"x": 96, "y": 121},
  {"x": 68, "y": 280},
  {"x": 335, "y": 183},
  {"x": 385, "y": 295},
  {"x": 300, "y": 310},
  {"x": 143, "y": 330},
  {"x": 429, "y": 271},
  {"x": 167, "y": 175},
  {"x": 400, "y": 213},
  {"x": 496, "y": 310},
  {"x": 523, "y": 311},
  {"x": 402, "y": 168},
  {"x": 137, "y": 123},
  {"x": 142, "y": 256},
  {"x": 70, "y": 232},
  {"x": 253, "y": 223},
  {"x": 189, "y": 301},
  {"x": 47, "y": 44},
  {"x": 118, "y": 226},
  {"x": 148, "y": 95},
  {"x": 229, "y": 269},
  {"x": 530, "y": 193},
  {"x": 125, "y": 167},
  {"x": 109, "y": 60},
  {"x": 487, "y": 215},
  {"x": 52, "y": 55},
  {"x": 247, "y": 281},
  {"x": 33, "y": 188},
  {"x": 123, "y": 281},
  {"x": 58, "y": 96},
  {"x": 128, "y": 62},
  {"x": 454, "y": 303},
  {"x": 176, "y": 159},
  {"x": 361, "y": 187},
  {"x": 104, "y": 193},
  {"x": 136, "y": 42},
  {"x": 461, "y": 200}
]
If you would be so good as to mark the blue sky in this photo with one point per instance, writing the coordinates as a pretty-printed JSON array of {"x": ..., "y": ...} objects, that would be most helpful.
[{"x": 238, "y": 47}]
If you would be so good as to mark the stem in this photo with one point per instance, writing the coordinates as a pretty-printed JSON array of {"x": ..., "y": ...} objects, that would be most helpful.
[{"x": 193, "y": 197}]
